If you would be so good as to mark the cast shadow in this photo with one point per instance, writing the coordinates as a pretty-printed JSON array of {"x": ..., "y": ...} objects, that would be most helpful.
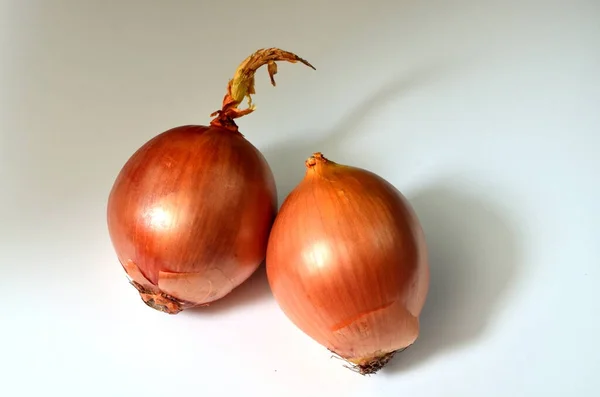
[
  {"x": 287, "y": 160},
  {"x": 474, "y": 257}
]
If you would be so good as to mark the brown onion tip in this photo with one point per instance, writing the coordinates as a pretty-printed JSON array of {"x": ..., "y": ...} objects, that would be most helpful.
[
  {"x": 158, "y": 300},
  {"x": 372, "y": 365},
  {"x": 242, "y": 84},
  {"x": 368, "y": 366},
  {"x": 316, "y": 157}
]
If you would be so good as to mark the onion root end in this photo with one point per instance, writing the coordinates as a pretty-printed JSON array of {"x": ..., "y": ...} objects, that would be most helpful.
[
  {"x": 159, "y": 300},
  {"x": 369, "y": 365}
]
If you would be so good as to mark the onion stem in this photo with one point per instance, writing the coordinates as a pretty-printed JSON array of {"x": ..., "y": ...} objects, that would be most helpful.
[{"x": 242, "y": 84}]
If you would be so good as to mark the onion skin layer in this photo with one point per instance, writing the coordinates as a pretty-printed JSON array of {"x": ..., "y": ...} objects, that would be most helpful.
[
  {"x": 347, "y": 263},
  {"x": 189, "y": 215}
]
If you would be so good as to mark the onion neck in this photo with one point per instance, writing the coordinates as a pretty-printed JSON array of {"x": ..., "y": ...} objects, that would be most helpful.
[
  {"x": 316, "y": 160},
  {"x": 317, "y": 164},
  {"x": 242, "y": 84}
]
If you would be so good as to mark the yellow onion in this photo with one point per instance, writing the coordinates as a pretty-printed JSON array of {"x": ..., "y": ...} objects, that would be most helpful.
[
  {"x": 347, "y": 263},
  {"x": 189, "y": 214}
]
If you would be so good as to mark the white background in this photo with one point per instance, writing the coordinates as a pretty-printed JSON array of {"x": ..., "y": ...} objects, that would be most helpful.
[{"x": 485, "y": 114}]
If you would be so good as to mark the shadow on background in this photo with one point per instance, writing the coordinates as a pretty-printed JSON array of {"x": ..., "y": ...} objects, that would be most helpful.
[
  {"x": 287, "y": 160},
  {"x": 474, "y": 257}
]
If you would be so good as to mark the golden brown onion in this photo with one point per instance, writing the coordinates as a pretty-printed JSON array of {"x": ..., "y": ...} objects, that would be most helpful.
[
  {"x": 190, "y": 212},
  {"x": 347, "y": 263}
]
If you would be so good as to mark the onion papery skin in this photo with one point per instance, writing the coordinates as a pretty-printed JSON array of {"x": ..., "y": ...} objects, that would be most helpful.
[
  {"x": 347, "y": 263},
  {"x": 189, "y": 215}
]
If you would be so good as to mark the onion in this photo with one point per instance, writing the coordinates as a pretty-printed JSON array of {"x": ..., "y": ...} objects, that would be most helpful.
[
  {"x": 347, "y": 263},
  {"x": 190, "y": 212}
]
